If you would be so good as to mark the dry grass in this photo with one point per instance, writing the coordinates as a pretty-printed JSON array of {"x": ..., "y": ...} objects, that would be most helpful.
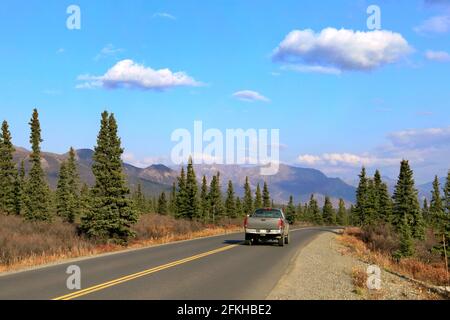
[
  {"x": 434, "y": 273},
  {"x": 27, "y": 244},
  {"x": 359, "y": 278}
]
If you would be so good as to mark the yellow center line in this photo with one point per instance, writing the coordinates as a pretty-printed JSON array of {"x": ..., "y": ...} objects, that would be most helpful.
[{"x": 133, "y": 276}]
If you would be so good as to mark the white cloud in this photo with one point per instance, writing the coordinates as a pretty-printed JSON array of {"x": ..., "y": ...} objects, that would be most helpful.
[
  {"x": 347, "y": 160},
  {"x": 309, "y": 159},
  {"x": 421, "y": 138},
  {"x": 439, "y": 56},
  {"x": 427, "y": 149},
  {"x": 131, "y": 75},
  {"x": 437, "y": 24},
  {"x": 164, "y": 15},
  {"x": 343, "y": 49},
  {"x": 312, "y": 69},
  {"x": 250, "y": 96},
  {"x": 145, "y": 162},
  {"x": 108, "y": 51}
]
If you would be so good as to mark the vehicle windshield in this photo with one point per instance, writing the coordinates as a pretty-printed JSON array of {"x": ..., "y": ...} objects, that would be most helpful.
[{"x": 267, "y": 213}]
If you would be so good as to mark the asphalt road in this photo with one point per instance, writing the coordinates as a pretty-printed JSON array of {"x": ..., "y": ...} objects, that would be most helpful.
[{"x": 204, "y": 269}]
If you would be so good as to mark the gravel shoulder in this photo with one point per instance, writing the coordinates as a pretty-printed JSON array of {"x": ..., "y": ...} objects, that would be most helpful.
[{"x": 321, "y": 271}]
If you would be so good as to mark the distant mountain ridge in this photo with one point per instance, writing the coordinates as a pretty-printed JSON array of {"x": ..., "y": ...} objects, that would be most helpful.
[{"x": 290, "y": 180}]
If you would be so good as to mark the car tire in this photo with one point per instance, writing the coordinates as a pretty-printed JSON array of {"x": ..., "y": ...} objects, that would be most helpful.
[
  {"x": 281, "y": 242},
  {"x": 287, "y": 239}
]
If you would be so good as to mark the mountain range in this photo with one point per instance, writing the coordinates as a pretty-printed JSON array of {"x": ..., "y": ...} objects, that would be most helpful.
[{"x": 290, "y": 180}]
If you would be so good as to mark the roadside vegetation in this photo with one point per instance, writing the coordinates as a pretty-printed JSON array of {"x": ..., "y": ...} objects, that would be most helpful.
[
  {"x": 30, "y": 243},
  {"x": 397, "y": 233},
  {"x": 38, "y": 224}
]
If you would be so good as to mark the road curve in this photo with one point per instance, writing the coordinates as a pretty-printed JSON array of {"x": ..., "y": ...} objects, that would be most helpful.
[{"x": 203, "y": 269}]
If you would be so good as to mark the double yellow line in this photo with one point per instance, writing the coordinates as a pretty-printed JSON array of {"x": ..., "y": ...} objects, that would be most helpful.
[{"x": 111, "y": 283}]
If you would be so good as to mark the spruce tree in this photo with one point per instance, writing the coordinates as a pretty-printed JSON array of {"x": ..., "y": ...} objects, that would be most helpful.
[
  {"x": 85, "y": 200},
  {"x": 342, "y": 216},
  {"x": 140, "y": 203},
  {"x": 182, "y": 196},
  {"x": 67, "y": 191},
  {"x": 436, "y": 205},
  {"x": 204, "y": 200},
  {"x": 8, "y": 172},
  {"x": 406, "y": 208},
  {"x": 173, "y": 199},
  {"x": 19, "y": 189},
  {"x": 290, "y": 211},
  {"x": 192, "y": 199},
  {"x": 406, "y": 239},
  {"x": 328, "y": 213},
  {"x": 266, "y": 196},
  {"x": 377, "y": 186},
  {"x": 239, "y": 209},
  {"x": 299, "y": 212},
  {"x": 314, "y": 211},
  {"x": 215, "y": 198},
  {"x": 248, "y": 201},
  {"x": 162, "y": 204},
  {"x": 230, "y": 202},
  {"x": 360, "y": 210},
  {"x": 385, "y": 203},
  {"x": 258, "y": 198},
  {"x": 112, "y": 214},
  {"x": 62, "y": 194},
  {"x": 37, "y": 200}
]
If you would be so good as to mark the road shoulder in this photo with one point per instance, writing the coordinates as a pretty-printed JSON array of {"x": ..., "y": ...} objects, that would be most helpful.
[{"x": 321, "y": 271}]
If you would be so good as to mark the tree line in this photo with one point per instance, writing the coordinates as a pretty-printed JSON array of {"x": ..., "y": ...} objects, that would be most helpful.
[
  {"x": 107, "y": 210},
  {"x": 204, "y": 201}
]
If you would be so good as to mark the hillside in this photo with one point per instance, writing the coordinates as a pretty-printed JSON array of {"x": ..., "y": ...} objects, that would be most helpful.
[{"x": 299, "y": 182}]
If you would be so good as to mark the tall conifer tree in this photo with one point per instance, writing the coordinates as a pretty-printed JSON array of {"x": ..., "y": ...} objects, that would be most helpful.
[
  {"x": 342, "y": 216},
  {"x": 360, "y": 210},
  {"x": 230, "y": 202},
  {"x": 266, "y": 196},
  {"x": 192, "y": 197},
  {"x": 290, "y": 211},
  {"x": 436, "y": 205},
  {"x": 248, "y": 201},
  {"x": 258, "y": 198},
  {"x": 406, "y": 208},
  {"x": 204, "y": 200},
  {"x": 328, "y": 213},
  {"x": 112, "y": 213},
  {"x": 8, "y": 172},
  {"x": 37, "y": 201}
]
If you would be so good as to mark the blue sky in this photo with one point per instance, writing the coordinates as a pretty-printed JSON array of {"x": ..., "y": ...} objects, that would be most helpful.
[{"x": 392, "y": 105}]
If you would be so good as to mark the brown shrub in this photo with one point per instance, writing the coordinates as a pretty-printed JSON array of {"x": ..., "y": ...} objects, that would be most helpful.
[
  {"x": 153, "y": 226},
  {"x": 353, "y": 231},
  {"x": 381, "y": 237},
  {"x": 434, "y": 273},
  {"x": 424, "y": 250},
  {"x": 359, "y": 277},
  {"x": 22, "y": 239}
]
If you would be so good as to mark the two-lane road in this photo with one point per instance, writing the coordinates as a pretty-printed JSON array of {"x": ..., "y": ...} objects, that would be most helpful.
[{"x": 203, "y": 269}]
